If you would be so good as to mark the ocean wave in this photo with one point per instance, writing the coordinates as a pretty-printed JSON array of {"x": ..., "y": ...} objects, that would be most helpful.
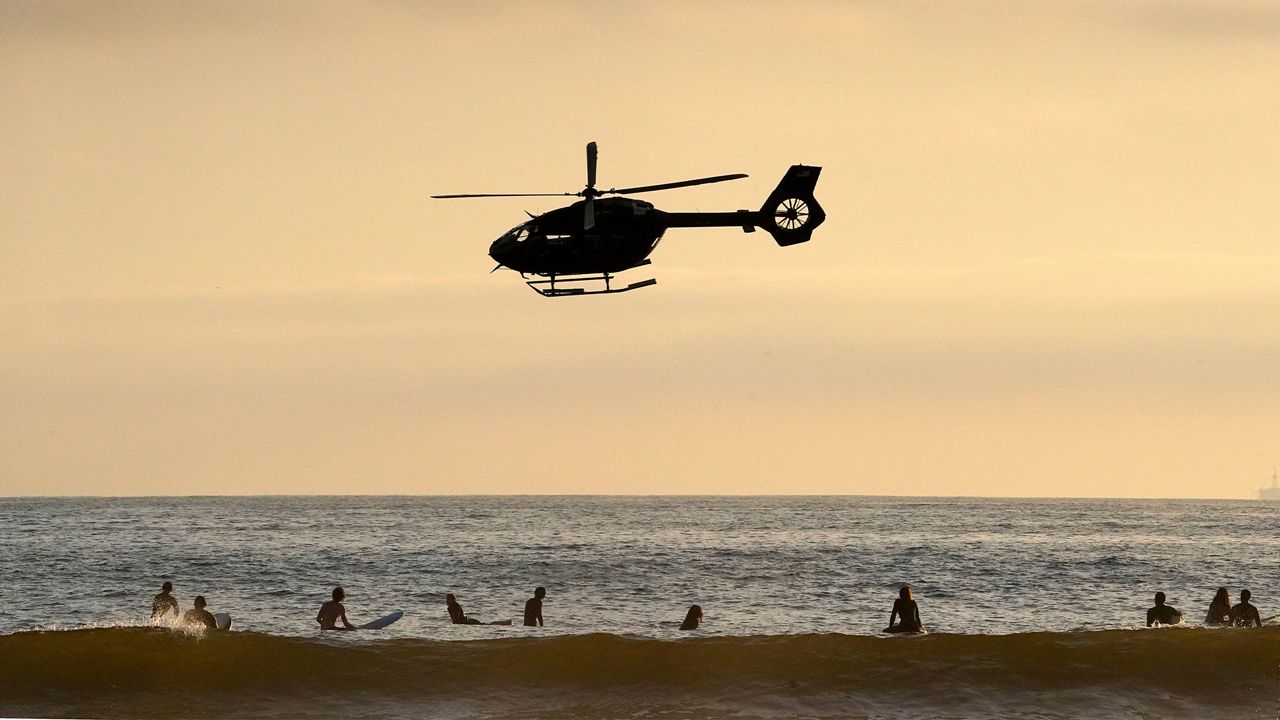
[{"x": 156, "y": 672}]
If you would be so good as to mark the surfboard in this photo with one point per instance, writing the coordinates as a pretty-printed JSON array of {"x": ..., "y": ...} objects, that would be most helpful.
[
  {"x": 223, "y": 620},
  {"x": 382, "y": 621}
]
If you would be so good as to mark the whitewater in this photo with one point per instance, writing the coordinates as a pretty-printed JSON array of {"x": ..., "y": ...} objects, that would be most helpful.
[{"x": 1035, "y": 607}]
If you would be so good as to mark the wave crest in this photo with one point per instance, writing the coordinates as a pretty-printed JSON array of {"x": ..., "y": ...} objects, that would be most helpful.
[{"x": 153, "y": 672}]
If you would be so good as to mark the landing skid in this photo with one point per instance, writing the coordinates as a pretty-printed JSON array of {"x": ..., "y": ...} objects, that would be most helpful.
[{"x": 546, "y": 285}]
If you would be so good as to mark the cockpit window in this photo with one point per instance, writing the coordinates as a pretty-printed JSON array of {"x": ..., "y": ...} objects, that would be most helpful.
[{"x": 518, "y": 233}]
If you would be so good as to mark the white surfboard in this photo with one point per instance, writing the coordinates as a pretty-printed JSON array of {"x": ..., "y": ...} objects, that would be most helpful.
[
  {"x": 382, "y": 621},
  {"x": 223, "y": 620}
]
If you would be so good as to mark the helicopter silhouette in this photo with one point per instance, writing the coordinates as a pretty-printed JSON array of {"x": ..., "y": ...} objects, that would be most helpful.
[{"x": 578, "y": 249}]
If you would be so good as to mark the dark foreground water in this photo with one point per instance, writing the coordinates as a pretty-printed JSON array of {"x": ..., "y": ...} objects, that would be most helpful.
[{"x": 1034, "y": 607}]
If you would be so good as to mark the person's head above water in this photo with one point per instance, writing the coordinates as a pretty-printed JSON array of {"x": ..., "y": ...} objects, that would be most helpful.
[
  {"x": 540, "y": 592},
  {"x": 199, "y": 601},
  {"x": 167, "y": 587},
  {"x": 905, "y": 592},
  {"x": 1159, "y": 598},
  {"x": 1245, "y": 595},
  {"x": 449, "y": 598},
  {"x": 1222, "y": 596},
  {"x": 339, "y": 593}
]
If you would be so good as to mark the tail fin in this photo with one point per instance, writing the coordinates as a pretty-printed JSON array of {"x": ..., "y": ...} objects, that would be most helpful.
[{"x": 791, "y": 213}]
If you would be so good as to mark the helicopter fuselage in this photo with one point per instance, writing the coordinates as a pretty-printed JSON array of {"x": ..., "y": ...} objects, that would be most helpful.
[{"x": 623, "y": 235}]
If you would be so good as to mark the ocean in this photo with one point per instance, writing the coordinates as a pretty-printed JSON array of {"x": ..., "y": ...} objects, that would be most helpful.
[{"x": 1035, "y": 608}]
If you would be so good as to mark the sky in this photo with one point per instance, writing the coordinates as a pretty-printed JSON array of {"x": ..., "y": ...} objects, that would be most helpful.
[{"x": 1050, "y": 267}]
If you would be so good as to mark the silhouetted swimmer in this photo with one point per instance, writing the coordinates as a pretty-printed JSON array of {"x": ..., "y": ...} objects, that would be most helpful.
[
  {"x": 460, "y": 618},
  {"x": 199, "y": 616},
  {"x": 456, "y": 615},
  {"x": 693, "y": 619},
  {"x": 1219, "y": 609},
  {"x": 1163, "y": 614},
  {"x": 1244, "y": 614},
  {"x": 333, "y": 611},
  {"x": 163, "y": 602},
  {"x": 907, "y": 612},
  {"x": 533, "y": 608}
]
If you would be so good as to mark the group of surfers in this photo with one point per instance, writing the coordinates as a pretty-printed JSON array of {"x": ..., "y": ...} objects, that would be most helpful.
[
  {"x": 1221, "y": 611},
  {"x": 164, "y": 602},
  {"x": 904, "y": 618}
]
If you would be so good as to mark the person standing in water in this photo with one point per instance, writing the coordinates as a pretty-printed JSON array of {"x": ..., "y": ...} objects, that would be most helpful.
[
  {"x": 693, "y": 619},
  {"x": 199, "y": 616},
  {"x": 1163, "y": 614},
  {"x": 333, "y": 611},
  {"x": 907, "y": 612},
  {"x": 1244, "y": 614},
  {"x": 163, "y": 602},
  {"x": 1219, "y": 609},
  {"x": 533, "y": 608}
]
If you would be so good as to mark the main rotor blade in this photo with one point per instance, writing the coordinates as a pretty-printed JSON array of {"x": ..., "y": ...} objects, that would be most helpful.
[
  {"x": 473, "y": 195},
  {"x": 591, "y": 164},
  {"x": 668, "y": 186},
  {"x": 589, "y": 215}
]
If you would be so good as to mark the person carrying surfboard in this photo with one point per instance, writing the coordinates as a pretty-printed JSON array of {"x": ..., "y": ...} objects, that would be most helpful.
[
  {"x": 199, "y": 616},
  {"x": 333, "y": 611}
]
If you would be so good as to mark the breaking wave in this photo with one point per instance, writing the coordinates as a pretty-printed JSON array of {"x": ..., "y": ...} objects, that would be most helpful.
[{"x": 155, "y": 672}]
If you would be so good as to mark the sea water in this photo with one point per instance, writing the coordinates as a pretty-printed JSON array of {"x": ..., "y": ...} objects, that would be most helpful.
[{"x": 1034, "y": 607}]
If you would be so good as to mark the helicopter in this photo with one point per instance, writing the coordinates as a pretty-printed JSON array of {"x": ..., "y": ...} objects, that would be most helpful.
[{"x": 578, "y": 249}]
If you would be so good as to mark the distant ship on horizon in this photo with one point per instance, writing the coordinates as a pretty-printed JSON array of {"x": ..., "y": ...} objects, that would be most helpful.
[{"x": 1273, "y": 492}]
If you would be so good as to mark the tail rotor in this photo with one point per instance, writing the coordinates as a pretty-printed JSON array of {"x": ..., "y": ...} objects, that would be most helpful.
[{"x": 792, "y": 213}]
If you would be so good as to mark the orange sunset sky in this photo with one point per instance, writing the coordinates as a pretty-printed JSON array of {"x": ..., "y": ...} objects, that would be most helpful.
[{"x": 1051, "y": 264}]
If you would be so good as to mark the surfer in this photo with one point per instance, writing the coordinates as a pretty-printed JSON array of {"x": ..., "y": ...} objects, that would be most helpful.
[
  {"x": 533, "y": 608},
  {"x": 455, "y": 612},
  {"x": 199, "y": 616},
  {"x": 907, "y": 612},
  {"x": 163, "y": 602},
  {"x": 1163, "y": 614},
  {"x": 692, "y": 620},
  {"x": 333, "y": 611},
  {"x": 460, "y": 618},
  {"x": 1244, "y": 614},
  {"x": 1219, "y": 609}
]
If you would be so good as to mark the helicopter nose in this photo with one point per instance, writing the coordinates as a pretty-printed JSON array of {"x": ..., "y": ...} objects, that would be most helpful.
[{"x": 501, "y": 249}]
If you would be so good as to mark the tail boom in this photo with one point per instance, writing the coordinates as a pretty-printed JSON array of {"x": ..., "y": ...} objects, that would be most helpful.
[{"x": 790, "y": 214}]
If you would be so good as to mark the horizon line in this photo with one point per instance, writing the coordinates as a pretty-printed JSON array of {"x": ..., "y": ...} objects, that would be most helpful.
[{"x": 621, "y": 495}]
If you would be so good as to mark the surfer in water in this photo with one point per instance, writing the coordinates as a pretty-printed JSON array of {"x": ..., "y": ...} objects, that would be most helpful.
[
  {"x": 163, "y": 602},
  {"x": 693, "y": 619},
  {"x": 533, "y": 608},
  {"x": 460, "y": 618},
  {"x": 333, "y": 611},
  {"x": 1244, "y": 614},
  {"x": 907, "y": 612},
  {"x": 1219, "y": 609},
  {"x": 1163, "y": 614},
  {"x": 199, "y": 616}
]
